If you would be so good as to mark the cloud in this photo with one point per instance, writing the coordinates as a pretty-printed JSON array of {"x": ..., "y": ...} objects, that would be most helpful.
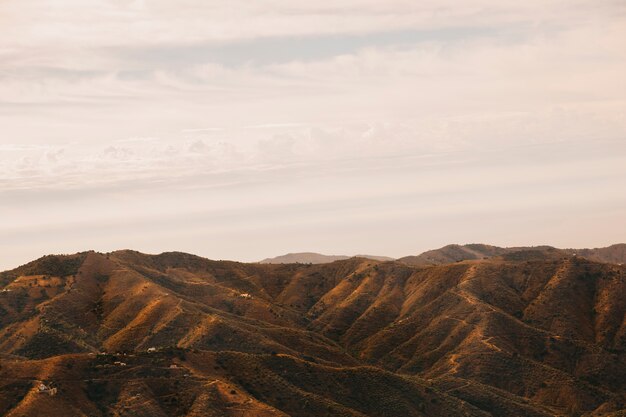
[
  {"x": 399, "y": 107},
  {"x": 79, "y": 23}
]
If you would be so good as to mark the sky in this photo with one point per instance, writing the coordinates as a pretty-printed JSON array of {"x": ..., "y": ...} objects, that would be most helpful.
[{"x": 243, "y": 130}]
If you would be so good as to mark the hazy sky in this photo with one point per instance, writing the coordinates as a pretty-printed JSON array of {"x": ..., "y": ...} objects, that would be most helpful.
[{"x": 240, "y": 130}]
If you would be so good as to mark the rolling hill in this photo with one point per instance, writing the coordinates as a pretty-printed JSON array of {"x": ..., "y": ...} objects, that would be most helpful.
[
  {"x": 522, "y": 333},
  {"x": 316, "y": 258},
  {"x": 455, "y": 253}
]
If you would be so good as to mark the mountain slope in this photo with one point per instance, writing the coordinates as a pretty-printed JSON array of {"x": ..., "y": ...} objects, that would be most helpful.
[
  {"x": 516, "y": 334},
  {"x": 316, "y": 258},
  {"x": 303, "y": 258},
  {"x": 615, "y": 254},
  {"x": 475, "y": 251}
]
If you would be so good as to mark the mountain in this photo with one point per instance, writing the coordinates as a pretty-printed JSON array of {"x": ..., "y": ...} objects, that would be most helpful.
[
  {"x": 527, "y": 333},
  {"x": 455, "y": 253},
  {"x": 613, "y": 254},
  {"x": 316, "y": 258},
  {"x": 303, "y": 258}
]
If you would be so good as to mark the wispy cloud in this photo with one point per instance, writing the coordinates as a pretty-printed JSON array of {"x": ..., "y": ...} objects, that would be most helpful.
[{"x": 213, "y": 105}]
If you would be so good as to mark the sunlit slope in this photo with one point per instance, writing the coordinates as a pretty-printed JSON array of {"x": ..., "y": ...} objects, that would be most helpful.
[{"x": 523, "y": 333}]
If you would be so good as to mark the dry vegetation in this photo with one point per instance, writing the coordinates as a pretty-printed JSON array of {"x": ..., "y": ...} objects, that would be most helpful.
[{"x": 527, "y": 333}]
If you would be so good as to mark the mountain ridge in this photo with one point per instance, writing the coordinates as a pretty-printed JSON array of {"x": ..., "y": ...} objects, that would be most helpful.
[
  {"x": 615, "y": 253},
  {"x": 316, "y": 258},
  {"x": 516, "y": 334}
]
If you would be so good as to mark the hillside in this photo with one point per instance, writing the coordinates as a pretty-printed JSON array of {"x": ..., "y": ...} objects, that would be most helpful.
[
  {"x": 613, "y": 254},
  {"x": 455, "y": 253},
  {"x": 527, "y": 333},
  {"x": 316, "y": 258}
]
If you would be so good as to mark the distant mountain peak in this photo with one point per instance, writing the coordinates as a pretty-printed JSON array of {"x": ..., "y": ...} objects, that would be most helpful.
[{"x": 316, "y": 258}]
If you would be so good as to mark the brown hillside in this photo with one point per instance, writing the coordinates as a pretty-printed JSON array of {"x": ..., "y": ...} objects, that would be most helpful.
[
  {"x": 528, "y": 333},
  {"x": 316, "y": 258},
  {"x": 475, "y": 251},
  {"x": 613, "y": 254}
]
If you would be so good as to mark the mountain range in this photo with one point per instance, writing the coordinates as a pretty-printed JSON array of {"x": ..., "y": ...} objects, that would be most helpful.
[
  {"x": 462, "y": 331},
  {"x": 455, "y": 253},
  {"x": 316, "y": 258}
]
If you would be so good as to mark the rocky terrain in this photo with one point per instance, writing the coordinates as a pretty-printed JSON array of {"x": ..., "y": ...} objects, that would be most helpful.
[{"x": 529, "y": 332}]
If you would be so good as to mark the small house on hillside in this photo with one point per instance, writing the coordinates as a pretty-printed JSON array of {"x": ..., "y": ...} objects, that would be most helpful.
[{"x": 45, "y": 389}]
